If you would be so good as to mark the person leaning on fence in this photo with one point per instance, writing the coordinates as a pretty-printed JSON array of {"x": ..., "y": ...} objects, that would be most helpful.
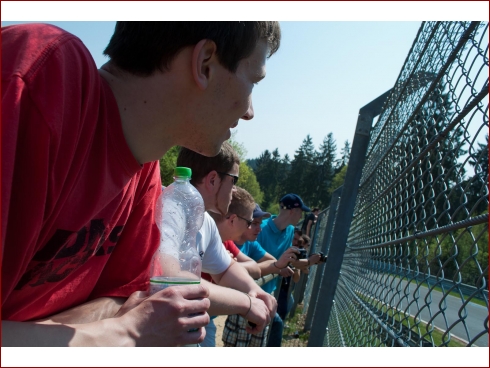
[
  {"x": 309, "y": 221},
  {"x": 285, "y": 300},
  {"x": 235, "y": 292},
  {"x": 235, "y": 331},
  {"x": 230, "y": 227},
  {"x": 276, "y": 237},
  {"x": 76, "y": 250}
]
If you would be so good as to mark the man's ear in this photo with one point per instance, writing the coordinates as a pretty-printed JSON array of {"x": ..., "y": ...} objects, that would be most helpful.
[
  {"x": 212, "y": 181},
  {"x": 232, "y": 218},
  {"x": 203, "y": 59}
]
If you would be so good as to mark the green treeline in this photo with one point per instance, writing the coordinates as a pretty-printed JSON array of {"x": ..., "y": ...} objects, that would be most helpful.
[{"x": 312, "y": 174}]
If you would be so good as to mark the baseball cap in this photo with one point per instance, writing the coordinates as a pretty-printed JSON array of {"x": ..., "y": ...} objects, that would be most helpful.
[
  {"x": 259, "y": 213},
  {"x": 290, "y": 201}
]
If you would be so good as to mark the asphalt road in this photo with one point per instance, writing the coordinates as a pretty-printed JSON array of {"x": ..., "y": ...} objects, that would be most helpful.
[{"x": 453, "y": 311}]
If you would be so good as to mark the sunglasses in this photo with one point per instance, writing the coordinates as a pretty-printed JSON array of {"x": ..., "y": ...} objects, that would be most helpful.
[
  {"x": 235, "y": 178},
  {"x": 249, "y": 222}
]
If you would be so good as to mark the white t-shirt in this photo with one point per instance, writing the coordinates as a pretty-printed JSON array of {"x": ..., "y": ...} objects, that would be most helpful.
[{"x": 214, "y": 257}]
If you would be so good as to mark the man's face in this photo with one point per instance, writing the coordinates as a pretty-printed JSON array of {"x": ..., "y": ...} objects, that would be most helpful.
[
  {"x": 229, "y": 99},
  {"x": 225, "y": 190},
  {"x": 296, "y": 214},
  {"x": 252, "y": 233},
  {"x": 241, "y": 225},
  {"x": 296, "y": 239}
]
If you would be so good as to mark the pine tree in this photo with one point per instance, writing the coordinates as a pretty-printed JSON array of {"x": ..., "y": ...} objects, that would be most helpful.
[
  {"x": 476, "y": 187},
  {"x": 441, "y": 174},
  {"x": 324, "y": 166},
  {"x": 265, "y": 172},
  {"x": 345, "y": 155},
  {"x": 300, "y": 179}
]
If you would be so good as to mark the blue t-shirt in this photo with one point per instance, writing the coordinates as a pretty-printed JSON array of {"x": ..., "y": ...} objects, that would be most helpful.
[
  {"x": 275, "y": 242},
  {"x": 252, "y": 249}
]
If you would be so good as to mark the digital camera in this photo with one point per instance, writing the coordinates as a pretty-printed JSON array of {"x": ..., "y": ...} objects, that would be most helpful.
[
  {"x": 323, "y": 257},
  {"x": 302, "y": 254}
]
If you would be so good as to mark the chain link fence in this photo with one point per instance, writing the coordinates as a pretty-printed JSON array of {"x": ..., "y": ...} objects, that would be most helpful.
[{"x": 408, "y": 261}]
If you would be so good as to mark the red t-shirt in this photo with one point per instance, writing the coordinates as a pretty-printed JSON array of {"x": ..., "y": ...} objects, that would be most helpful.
[
  {"x": 230, "y": 246},
  {"x": 77, "y": 208}
]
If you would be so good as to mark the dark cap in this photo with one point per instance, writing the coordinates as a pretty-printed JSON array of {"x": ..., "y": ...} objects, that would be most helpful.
[
  {"x": 290, "y": 201},
  {"x": 259, "y": 213}
]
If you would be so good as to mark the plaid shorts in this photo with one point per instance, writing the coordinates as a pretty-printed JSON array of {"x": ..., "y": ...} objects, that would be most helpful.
[{"x": 235, "y": 335}]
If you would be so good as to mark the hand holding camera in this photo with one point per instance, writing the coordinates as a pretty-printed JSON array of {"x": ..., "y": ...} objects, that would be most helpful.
[
  {"x": 301, "y": 254},
  {"x": 288, "y": 256}
]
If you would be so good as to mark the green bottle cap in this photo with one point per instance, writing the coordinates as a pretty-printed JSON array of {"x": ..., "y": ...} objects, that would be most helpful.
[{"x": 183, "y": 171}]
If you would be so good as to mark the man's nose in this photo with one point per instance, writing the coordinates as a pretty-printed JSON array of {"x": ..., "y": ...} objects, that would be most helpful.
[{"x": 249, "y": 115}]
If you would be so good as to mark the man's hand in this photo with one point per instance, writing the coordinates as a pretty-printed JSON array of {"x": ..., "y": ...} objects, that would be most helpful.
[
  {"x": 231, "y": 255},
  {"x": 162, "y": 319},
  {"x": 314, "y": 259},
  {"x": 268, "y": 299},
  {"x": 288, "y": 256},
  {"x": 258, "y": 315},
  {"x": 286, "y": 272},
  {"x": 165, "y": 318}
]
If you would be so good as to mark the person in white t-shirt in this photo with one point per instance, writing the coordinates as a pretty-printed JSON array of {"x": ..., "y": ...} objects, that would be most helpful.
[{"x": 235, "y": 291}]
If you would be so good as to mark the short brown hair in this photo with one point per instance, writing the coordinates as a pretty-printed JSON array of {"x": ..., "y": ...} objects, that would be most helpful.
[
  {"x": 203, "y": 165},
  {"x": 306, "y": 238},
  {"x": 141, "y": 48},
  {"x": 241, "y": 203}
]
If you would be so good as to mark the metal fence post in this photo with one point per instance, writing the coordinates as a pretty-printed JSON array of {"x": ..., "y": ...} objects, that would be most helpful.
[
  {"x": 344, "y": 218},
  {"x": 325, "y": 247}
]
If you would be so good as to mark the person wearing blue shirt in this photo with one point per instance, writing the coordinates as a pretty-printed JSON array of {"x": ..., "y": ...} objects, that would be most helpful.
[{"x": 276, "y": 237}]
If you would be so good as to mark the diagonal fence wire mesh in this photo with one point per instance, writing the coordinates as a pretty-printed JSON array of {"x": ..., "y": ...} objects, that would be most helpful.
[
  {"x": 415, "y": 268},
  {"x": 416, "y": 264}
]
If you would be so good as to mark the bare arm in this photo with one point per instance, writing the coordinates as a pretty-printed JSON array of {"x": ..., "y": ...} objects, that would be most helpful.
[
  {"x": 227, "y": 301},
  {"x": 312, "y": 260},
  {"x": 91, "y": 311},
  {"x": 296, "y": 275},
  {"x": 249, "y": 264},
  {"x": 268, "y": 264},
  {"x": 236, "y": 277},
  {"x": 162, "y": 319},
  {"x": 308, "y": 227}
]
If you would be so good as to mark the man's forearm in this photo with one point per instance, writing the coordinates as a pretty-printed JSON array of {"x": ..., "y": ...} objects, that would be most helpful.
[
  {"x": 226, "y": 301},
  {"x": 174, "y": 316},
  {"x": 268, "y": 267},
  {"x": 77, "y": 326},
  {"x": 237, "y": 277},
  {"x": 252, "y": 268},
  {"x": 91, "y": 311},
  {"x": 16, "y": 334}
]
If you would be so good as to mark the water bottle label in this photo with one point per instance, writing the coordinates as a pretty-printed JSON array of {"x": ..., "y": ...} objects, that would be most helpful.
[{"x": 160, "y": 283}]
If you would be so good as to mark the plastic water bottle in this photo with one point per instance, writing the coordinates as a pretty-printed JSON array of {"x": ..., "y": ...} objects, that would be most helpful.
[{"x": 179, "y": 216}]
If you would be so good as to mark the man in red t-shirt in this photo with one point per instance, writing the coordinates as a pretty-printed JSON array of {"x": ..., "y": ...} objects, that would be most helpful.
[{"x": 80, "y": 171}]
